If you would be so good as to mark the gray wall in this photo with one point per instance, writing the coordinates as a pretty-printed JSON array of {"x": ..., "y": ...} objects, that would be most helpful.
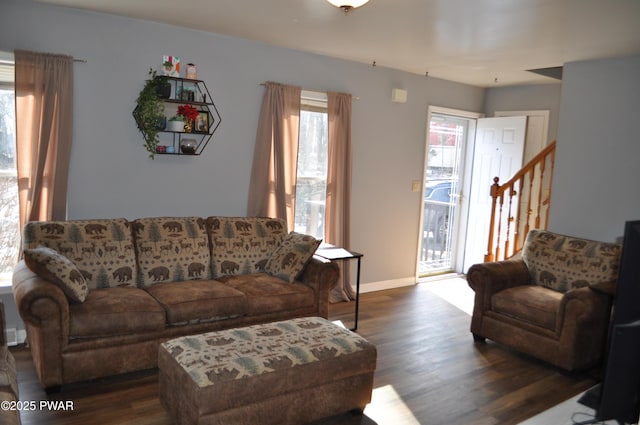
[
  {"x": 595, "y": 188},
  {"x": 111, "y": 176},
  {"x": 526, "y": 98}
]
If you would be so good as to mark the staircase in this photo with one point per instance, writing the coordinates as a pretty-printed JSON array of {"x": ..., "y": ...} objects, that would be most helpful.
[{"x": 519, "y": 205}]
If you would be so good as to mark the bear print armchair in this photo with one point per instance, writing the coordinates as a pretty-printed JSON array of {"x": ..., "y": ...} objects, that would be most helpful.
[{"x": 553, "y": 303}]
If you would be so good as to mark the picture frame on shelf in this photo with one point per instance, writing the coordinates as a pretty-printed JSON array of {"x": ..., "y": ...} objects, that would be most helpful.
[
  {"x": 202, "y": 122},
  {"x": 171, "y": 66}
]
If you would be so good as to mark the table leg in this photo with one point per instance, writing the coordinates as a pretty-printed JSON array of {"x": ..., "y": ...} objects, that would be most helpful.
[{"x": 355, "y": 325}]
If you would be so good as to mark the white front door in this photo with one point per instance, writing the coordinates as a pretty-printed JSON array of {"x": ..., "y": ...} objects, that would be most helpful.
[{"x": 498, "y": 152}]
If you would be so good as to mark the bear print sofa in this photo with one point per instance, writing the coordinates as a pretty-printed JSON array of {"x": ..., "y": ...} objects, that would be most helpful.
[{"x": 99, "y": 296}]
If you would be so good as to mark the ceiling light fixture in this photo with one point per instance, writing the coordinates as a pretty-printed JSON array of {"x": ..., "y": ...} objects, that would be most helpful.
[{"x": 348, "y": 5}]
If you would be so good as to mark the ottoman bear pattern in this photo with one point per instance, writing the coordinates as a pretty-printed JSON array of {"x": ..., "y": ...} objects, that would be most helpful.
[
  {"x": 283, "y": 373},
  {"x": 259, "y": 349}
]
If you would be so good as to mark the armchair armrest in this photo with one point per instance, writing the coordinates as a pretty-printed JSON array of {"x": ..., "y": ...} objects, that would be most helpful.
[
  {"x": 489, "y": 278},
  {"x": 582, "y": 325},
  {"x": 322, "y": 276},
  {"x": 581, "y": 304},
  {"x": 608, "y": 288}
]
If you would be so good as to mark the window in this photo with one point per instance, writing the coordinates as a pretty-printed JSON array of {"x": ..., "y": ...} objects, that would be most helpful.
[
  {"x": 312, "y": 165},
  {"x": 9, "y": 216}
]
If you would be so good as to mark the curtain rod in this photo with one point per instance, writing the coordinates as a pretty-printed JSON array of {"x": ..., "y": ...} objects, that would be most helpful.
[
  {"x": 8, "y": 57},
  {"x": 315, "y": 91}
]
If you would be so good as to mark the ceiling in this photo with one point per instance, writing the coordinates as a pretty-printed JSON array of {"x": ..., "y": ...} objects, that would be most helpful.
[{"x": 479, "y": 42}]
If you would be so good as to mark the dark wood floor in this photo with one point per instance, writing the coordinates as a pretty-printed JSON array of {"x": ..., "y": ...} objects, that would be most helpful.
[{"x": 429, "y": 371}]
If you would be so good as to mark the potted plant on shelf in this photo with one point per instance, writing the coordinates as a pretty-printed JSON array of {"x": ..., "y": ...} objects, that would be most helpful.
[
  {"x": 188, "y": 114},
  {"x": 149, "y": 111},
  {"x": 175, "y": 123}
]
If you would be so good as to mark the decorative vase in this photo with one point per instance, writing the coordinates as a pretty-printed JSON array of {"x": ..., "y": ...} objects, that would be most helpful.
[
  {"x": 175, "y": 125},
  {"x": 188, "y": 126},
  {"x": 188, "y": 146}
]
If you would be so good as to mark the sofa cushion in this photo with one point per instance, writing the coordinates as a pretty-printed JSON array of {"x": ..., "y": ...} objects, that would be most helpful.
[
  {"x": 198, "y": 301},
  {"x": 55, "y": 267},
  {"x": 102, "y": 250},
  {"x": 288, "y": 260},
  {"x": 115, "y": 311},
  {"x": 269, "y": 294},
  {"x": 171, "y": 249},
  {"x": 243, "y": 245},
  {"x": 563, "y": 262},
  {"x": 530, "y": 303}
]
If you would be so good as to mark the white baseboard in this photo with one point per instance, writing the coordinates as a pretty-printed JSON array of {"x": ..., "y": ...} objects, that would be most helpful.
[
  {"x": 399, "y": 283},
  {"x": 387, "y": 284}
]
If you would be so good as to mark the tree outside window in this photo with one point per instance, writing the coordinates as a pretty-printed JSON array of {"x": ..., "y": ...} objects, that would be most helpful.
[
  {"x": 311, "y": 183},
  {"x": 9, "y": 216}
]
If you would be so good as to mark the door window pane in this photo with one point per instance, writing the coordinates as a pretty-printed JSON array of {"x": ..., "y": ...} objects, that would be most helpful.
[{"x": 442, "y": 177}]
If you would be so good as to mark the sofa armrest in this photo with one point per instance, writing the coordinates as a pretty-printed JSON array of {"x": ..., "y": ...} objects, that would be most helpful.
[
  {"x": 321, "y": 275},
  {"x": 39, "y": 301},
  {"x": 45, "y": 311}
]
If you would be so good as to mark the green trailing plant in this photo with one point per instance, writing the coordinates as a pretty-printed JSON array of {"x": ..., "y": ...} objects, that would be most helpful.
[{"x": 149, "y": 111}]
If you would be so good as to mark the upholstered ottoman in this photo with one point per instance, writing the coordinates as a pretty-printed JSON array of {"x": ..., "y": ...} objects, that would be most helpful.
[{"x": 288, "y": 372}]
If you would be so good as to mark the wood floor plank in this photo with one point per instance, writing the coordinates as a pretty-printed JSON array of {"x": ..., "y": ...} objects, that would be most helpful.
[{"x": 429, "y": 371}]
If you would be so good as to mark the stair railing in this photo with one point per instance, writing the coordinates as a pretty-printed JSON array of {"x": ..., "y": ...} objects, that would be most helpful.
[{"x": 520, "y": 204}]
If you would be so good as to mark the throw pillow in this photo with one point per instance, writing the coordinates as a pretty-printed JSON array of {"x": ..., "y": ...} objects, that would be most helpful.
[
  {"x": 288, "y": 260},
  {"x": 55, "y": 267}
]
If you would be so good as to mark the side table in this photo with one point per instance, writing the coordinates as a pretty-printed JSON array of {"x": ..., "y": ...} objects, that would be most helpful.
[{"x": 335, "y": 253}]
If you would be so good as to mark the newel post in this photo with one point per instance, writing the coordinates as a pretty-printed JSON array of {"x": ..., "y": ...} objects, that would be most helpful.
[{"x": 494, "y": 198}]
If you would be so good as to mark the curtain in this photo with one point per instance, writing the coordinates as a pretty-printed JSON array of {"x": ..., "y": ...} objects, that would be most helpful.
[
  {"x": 44, "y": 117},
  {"x": 338, "y": 204},
  {"x": 273, "y": 177},
  {"x": 272, "y": 188}
]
